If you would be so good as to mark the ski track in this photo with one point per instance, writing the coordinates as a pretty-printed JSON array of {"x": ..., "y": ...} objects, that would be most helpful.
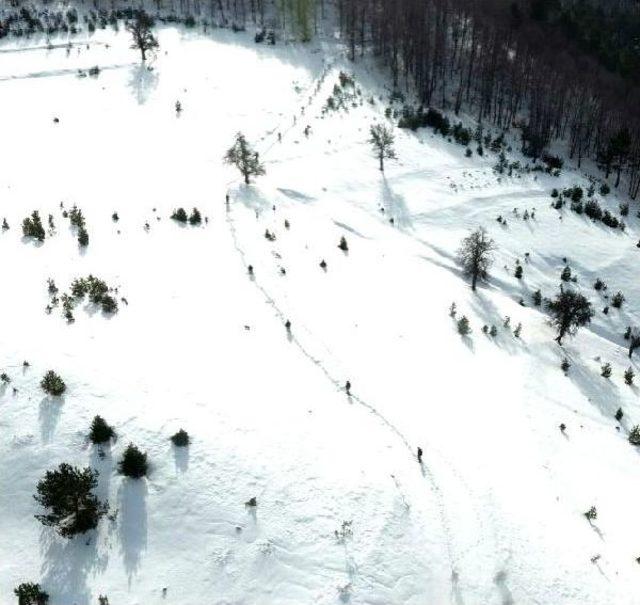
[{"x": 454, "y": 559}]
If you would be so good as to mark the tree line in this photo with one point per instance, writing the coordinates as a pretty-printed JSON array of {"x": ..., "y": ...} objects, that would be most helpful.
[{"x": 495, "y": 60}]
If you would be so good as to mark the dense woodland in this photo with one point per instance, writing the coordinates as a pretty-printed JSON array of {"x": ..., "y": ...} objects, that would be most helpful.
[
  {"x": 517, "y": 64},
  {"x": 555, "y": 70}
]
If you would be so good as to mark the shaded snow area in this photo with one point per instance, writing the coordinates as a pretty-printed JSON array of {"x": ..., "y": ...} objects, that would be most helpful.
[{"x": 495, "y": 515}]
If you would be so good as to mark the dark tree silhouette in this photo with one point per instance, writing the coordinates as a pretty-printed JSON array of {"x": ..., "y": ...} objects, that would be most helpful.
[
  {"x": 475, "y": 255},
  {"x": 569, "y": 310},
  {"x": 67, "y": 495},
  {"x": 242, "y": 156},
  {"x": 382, "y": 140},
  {"x": 140, "y": 30},
  {"x": 29, "y": 593}
]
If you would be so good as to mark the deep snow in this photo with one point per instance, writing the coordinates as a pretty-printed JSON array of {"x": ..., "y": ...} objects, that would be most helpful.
[{"x": 496, "y": 513}]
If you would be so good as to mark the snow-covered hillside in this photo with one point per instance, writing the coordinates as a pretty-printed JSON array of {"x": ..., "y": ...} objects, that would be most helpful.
[{"x": 495, "y": 515}]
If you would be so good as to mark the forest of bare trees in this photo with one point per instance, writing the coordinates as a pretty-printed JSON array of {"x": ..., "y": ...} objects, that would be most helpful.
[{"x": 511, "y": 65}]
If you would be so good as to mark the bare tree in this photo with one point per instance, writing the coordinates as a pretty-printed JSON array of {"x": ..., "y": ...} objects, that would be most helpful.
[
  {"x": 382, "y": 140},
  {"x": 140, "y": 29},
  {"x": 475, "y": 255},
  {"x": 569, "y": 310},
  {"x": 242, "y": 156}
]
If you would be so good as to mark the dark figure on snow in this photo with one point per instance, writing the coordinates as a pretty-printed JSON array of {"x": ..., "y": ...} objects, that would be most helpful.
[
  {"x": 288, "y": 325},
  {"x": 347, "y": 387},
  {"x": 420, "y": 455}
]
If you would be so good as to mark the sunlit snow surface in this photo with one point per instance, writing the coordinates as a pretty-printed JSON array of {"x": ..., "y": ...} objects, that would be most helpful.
[{"x": 494, "y": 516}]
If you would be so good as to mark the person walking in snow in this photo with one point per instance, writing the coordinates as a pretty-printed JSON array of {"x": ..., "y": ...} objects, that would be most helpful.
[
  {"x": 419, "y": 455},
  {"x": 347, "y": 387}
]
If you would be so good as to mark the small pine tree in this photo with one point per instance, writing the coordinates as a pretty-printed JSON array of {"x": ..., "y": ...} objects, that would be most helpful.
[
  {"x": 109, "y": 304},
  {"x": 619, "y": 414},
  {"x": 100, "y": 431},
  {"x": 83, "y": 236},
  {"x": 518, "y": 272},
  {"x": 29, "y": 593},
  {"x": 180, "y": 439},
  {"x": 605, "y": 370},
  {"x": 617, "y": 300},
  {"x": 565, "y": 365},
  {"x": 180, "y": 215},
  {"x": 343, "y": 244},
  {"x": 195, "y": 218},
  {"x": 629, "y": 375},
  {"x": 32, "y": 227},
  {"x": 634, "y": 435},
  {"x": 566, "y": 274},
  {"x": 493, "y": 331},
  {"x": 591, "y": 514},
  {"x": 463, "y": 326},
  {"x": 518, "y": 330},
  {"x": 133, "y": 463},
  {"x": 453, "y": 309},
  {"x": 52, "y": 384},
  {"x": 537, "y": 298}
]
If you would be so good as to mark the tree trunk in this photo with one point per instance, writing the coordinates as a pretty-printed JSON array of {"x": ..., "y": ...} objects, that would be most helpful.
[{"x": 474, "y": 280}]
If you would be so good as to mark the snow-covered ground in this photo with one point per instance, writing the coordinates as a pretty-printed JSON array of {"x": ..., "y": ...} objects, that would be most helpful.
[{"x": 495, "y": 514}]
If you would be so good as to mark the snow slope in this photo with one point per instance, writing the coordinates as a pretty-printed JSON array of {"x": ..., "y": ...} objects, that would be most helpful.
[{"x": 495, "y": 515}]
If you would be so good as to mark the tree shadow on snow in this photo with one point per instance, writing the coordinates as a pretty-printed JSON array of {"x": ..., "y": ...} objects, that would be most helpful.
[
  {"x": 102, "y": 461},
  {"x": 598, "y": 390},
  {"x": 67, "y": 564},
  {"x": 500, "y": 581},
  {"x": 181, "y": 458},
  {"x": 142, "y": 82},
  {"x": 132, "y": 525},
  {"x": 48, "y": 414},
  {"x": 395, "y": 206},
  {"x": 455, "y": 588},
  {"x": 252, "y": 198}
]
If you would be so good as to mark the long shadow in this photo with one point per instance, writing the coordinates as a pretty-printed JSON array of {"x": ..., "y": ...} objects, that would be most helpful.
[
  {"x": 67, "y": 564},
  {"x": 181, "y": 458},
  {"x": 48, "y": 414},
  {"x": 132, "y": 526},
  {"x": 598, "y": 390},
  {"x": 500, "y": 581},
  {"x": 142, "y": 82},
  {"x": 102, "y": 461},
  {"x": 252, "y": 199},
  {"x": 395, "y": 206}
]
